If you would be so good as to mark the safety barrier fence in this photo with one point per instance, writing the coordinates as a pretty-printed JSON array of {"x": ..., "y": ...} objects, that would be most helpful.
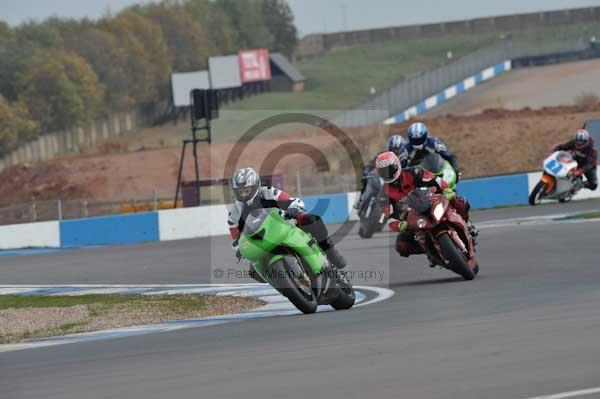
[{"x": 208, "y": 221}]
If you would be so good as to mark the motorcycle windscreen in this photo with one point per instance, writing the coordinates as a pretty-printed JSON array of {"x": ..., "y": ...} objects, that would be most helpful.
[
  {"x": 419, "y": 201},
  {"x": 255, "y": 220},
  {"x": 433, "y": 163}
]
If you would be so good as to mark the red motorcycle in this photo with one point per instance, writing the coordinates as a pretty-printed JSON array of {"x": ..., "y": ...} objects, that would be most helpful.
[{"x": 442, "y": 232}]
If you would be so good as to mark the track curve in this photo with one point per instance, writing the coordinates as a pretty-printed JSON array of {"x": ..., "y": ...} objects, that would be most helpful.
[{"x": 526, "y": 327}]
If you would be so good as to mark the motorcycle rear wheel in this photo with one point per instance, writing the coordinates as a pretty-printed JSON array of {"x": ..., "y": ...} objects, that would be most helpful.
[
  {"x": 457, "y": 260},
  {"x": 365, "y": 232},
  {"x": 534, "y": 197},
  {"x": 347, "y": 295}
]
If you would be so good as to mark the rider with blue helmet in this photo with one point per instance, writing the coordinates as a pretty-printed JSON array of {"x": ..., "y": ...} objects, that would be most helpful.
[
  {"x": 398, "y": 145},
  {"x": 420, "y": 143}
]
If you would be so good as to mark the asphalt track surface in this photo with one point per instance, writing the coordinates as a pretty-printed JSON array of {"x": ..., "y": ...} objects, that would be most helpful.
[{"x": 529, "y": 325}]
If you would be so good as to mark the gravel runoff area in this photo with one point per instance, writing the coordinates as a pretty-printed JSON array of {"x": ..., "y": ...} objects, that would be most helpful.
[{"x": 23, "y": 318}]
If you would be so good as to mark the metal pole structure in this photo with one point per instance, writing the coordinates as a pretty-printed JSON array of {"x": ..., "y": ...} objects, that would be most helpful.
[
  {"x": 60, "y": 214},
  {"x": 180, "y": 173},
  {"x": 194, "y": 141},
  {"x": 298, "y": 184},
  {"x": 196, "y": 169}
]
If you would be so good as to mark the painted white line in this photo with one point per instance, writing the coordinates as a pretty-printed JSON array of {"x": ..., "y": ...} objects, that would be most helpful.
[
  {"x": 533, "y": 220},
  {"x": 570, "y": 394},
  {"x": 277, "y": 305}
]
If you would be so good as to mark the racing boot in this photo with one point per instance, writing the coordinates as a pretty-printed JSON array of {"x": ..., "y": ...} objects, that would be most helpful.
[
  {"x": 431, "y": 262},
  {"x": 474, "y": 231},
  {"x": 334, "y": 257}
]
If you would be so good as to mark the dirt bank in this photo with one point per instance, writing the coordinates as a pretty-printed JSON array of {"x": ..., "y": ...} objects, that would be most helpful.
[{"x": 495, "y": 141}]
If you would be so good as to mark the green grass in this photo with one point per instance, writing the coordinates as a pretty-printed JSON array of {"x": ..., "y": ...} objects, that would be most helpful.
[
  {"x": 342, "y": 78},
  {"x": 169, "y": 306},
  {"x": 587, "y": 215},
  {"x": 20, "y": 302}
]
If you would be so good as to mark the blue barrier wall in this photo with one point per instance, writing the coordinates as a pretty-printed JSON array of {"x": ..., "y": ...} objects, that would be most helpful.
[
  {"x": 496, "y": 191},
  {"x": 333, "y": 208},
  {"x": 110, "y": 230}
]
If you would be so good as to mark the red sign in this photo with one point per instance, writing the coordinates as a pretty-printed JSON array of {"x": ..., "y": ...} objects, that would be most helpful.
[{"x": 255, "y": 65}]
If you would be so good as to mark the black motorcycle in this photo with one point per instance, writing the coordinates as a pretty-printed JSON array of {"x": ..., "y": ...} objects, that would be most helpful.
[{"x": 370, "y": 206}]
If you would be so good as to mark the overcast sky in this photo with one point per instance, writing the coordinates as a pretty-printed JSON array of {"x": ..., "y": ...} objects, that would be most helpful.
[{"x": 315, "y": 15}]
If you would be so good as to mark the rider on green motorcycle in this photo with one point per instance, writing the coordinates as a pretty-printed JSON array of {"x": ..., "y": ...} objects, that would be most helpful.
[{"x": 250, "y": 195}]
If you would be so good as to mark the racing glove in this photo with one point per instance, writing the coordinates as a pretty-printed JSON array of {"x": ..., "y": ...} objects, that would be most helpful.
[
  {"x": 296, "y": 207},
  {"x": 449, "y": 193},
  {"x": 399, "y": 226}
]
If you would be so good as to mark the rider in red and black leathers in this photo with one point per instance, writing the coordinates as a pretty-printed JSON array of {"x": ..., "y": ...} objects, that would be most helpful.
[
  {"x": 399, "y": 184},
  {"x": 583, "y": 150}
]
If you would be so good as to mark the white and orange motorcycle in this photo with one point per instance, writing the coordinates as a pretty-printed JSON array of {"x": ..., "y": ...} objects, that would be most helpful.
[{"x": 561, "y": 179}]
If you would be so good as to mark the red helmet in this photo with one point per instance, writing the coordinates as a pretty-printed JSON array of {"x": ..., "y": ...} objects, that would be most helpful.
[
  {"x": 388, "y": 166},
  {"x": 582, "y": 138}
]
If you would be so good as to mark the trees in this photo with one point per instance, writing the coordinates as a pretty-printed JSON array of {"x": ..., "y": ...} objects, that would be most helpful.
[
  {"x": 247, "y": 20},
  {"x": 16, "y": 49},
  {"x": 183, "y": 34},
  {"x": 146, "y": 57},
  {"x": 216, "y": 25},
  {"x": 60, "y": 90},
  {"x": 16, "y": 126},
  {"x": 66, "y": 72},
  {"x": 279, "y": 21},
  {"x": 108, "y": 60}
]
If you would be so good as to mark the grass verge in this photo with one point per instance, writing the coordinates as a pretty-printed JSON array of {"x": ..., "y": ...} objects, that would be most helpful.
[
  {"x": 587, "y": 215},
  {"x": 29, "y": 317}
]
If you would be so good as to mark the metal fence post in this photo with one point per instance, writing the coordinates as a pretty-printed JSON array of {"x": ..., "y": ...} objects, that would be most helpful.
[
  {"x": 60, "y": 214},
  {"x": 298, "y": 184},
  {"x": 33, "y": 212},
  {"x": 155, "y": 199}
]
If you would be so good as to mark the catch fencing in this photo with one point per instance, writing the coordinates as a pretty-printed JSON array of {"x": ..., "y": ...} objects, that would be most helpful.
[
  {"x": 318, "y": 44},
  {"x": 301, "y": 184}
]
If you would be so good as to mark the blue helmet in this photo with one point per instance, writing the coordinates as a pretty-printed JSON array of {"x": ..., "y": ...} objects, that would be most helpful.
[
  {"x": 397, "y": 144},
  {"x": 417, "y": 134}
]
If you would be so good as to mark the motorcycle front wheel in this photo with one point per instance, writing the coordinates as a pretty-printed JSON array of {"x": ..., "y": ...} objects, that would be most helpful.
[
  {"x": 457, "y": 260},
  {"x": 535, "y": 196},
  {"x": 289, "y": 278},
  {"x": 369, "y": 225}
]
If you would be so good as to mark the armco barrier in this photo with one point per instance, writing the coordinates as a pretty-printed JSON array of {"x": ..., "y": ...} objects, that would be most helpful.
[
  {"x": 451, "y": 92},
  {"x": 490, "y": 192},
  {"x": 332, "y": 208},
  {"x": 187, "y": 223},
  {"x": 30, "y": 235},
  {"x": 109, "y": 230}
]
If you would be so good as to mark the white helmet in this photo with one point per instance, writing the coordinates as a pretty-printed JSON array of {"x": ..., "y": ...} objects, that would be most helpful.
[{"x": 246, "y": 185}]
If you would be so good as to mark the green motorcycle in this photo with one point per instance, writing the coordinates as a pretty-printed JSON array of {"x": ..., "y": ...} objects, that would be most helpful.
[
  {"x": 292, "y": 262},
  {"x": 440, "y": 167}
]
